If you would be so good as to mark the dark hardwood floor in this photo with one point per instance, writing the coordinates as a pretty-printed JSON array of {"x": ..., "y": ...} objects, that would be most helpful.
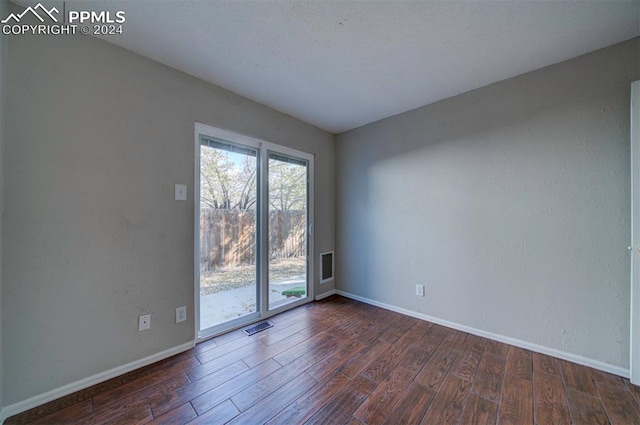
[{"x": 339, "y": 361}]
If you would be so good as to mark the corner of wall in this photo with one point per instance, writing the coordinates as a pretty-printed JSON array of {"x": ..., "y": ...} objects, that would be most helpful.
[
  {"x": 335, "y": 210},
  {"x": 484, "y": 173}
]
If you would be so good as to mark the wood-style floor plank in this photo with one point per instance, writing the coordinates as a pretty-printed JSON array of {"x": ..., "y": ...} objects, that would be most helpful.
[
  {"x": 416, "y": 332},
  {"x": 489, "y": 377},
  {"x": 178, "y": 416},
  {"x": 466, "y": 365},
  {"x": 136, "y": 415},
  {"x": 168, "y": 400},
  {"x": 454, "y": 339},
  {"x": 331, "y": 363},
  {"x": 187, "y": 359},
  {"x": 395, "y": 331},
  {"x": 219, "y": 415},
  {"x": 473, "y": 343},
  {"x": 378, "y": 370},
  {"x": 550, "y": 400},
  {"x": 310, "y": 358},
  {"x": 220, "y": 350},
  {"x": 435, "y": 370},
  {"x": 585, "y": 409},
  {"x": 377, "y": 406},
  {"x": 67, "y": 414},
  {"x": 300, "y": 349},
  {"x": 415, "y": 357},
  {"x": 438, "y": 332},
  {"x": 214, "y": 396},
  {"x": 66, "y": 401},
  {"x": 479, "y": 411},
  {"x": 267, "y": 407},
  {"x": 313, "y": 400},
  {"x": 363, "y": 359},
  {"x": 262, "y": 388},
  {"x": 621, "y": 407},
  {"x": 448, "y": 403},
  {"x": 265, "y": 352},
  {"x": 412, "y": 406},
  {"x": 218, "y": 363},
  {"x": 516, "y": 405},
  {"x": 519, "y": 363},
  {"x": 339, "y": 361},
  {"x": 634, "y": 389},
  {"x": 608, "y": 380},
  {"x": 344, "y": 403},
  {"x": 141, "y": 386},
  {"x": 292, "y": 327},
  {"x": 352, "y": 421},
  {"x": 371, "y": 335},
  {"x": 496, "y": 348},
  {"x": 577, "y": 377},
  {"x": 546, "y": 364}
]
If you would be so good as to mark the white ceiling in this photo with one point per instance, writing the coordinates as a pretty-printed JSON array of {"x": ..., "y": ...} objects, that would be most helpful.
[{"x": 342, "y": 64}]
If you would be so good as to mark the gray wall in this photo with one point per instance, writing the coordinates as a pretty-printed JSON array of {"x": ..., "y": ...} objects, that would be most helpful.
[
  {"x": 510, "y": 204},
  {"x": 3, "y": 64},
  {"x": 97, "y": 137}
]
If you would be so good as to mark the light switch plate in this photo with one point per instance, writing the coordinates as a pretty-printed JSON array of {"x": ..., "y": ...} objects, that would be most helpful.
[{"x": 181, "y": 192}]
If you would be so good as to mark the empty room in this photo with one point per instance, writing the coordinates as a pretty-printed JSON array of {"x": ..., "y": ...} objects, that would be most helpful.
[{"x": 320, "y": 212}]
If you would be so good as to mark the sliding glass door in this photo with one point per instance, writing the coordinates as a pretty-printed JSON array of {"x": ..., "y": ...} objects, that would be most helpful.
[
  {"x": 228, "y": 232},
  {"x": 253, "y": 229},
  {"x": 287, "y": 200}
]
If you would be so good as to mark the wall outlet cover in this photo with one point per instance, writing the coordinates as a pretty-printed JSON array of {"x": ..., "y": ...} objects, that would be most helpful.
[
  {"x": 420, "y": 290},
  {"x": 181, "y": 192},
  {"x": 144, "y": 322},
  {"x": 181, "y": 314}
]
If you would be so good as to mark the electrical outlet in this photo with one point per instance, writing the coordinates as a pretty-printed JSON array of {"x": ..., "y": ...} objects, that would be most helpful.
[
  {"x": 144, "y": 322},
  {"x": 181, "y": 314},
  {"x": 420, "y": 290},
  {"x": 181, "y": 192}
]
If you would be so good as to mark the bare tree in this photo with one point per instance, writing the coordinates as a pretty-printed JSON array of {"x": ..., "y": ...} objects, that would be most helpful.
[
  {"x": 226, "y": 182},
  {"x": 287, "y": 186}
]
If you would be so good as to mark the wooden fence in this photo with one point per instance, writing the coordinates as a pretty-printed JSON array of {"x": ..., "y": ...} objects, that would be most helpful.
[{"x": 228, "y": 237}]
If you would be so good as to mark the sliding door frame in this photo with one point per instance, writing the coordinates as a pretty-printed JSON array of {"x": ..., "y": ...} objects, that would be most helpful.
[
  {"x": 634, "y": 248},
  {"x": 283, "y": 150},
  {"x": 262, "y": 300}
]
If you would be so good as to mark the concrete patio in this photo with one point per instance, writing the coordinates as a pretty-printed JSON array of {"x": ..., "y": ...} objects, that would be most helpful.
[{"x": 226, "y": 305}]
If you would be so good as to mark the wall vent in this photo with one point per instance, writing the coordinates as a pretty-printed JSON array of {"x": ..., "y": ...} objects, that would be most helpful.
[
  {"x": 327, "y": 266},
  {"x": 259, "y": 327}
]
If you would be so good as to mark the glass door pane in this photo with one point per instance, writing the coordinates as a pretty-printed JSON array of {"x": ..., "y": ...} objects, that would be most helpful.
[
  {"x": 228, "y": 233},
  {"x": 287, "y": 232}
]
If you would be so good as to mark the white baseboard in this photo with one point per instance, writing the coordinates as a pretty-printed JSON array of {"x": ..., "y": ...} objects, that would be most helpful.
[
  {"x": 30, "y": 403},
  {"x": 596, "y": 364},
  {"x": 325, "y": 294}
]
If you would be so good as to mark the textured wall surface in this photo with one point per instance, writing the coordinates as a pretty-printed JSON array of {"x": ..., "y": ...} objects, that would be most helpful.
[
  {"x": 510, "y": 204},
  {"x": 97, "y": 137}
]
